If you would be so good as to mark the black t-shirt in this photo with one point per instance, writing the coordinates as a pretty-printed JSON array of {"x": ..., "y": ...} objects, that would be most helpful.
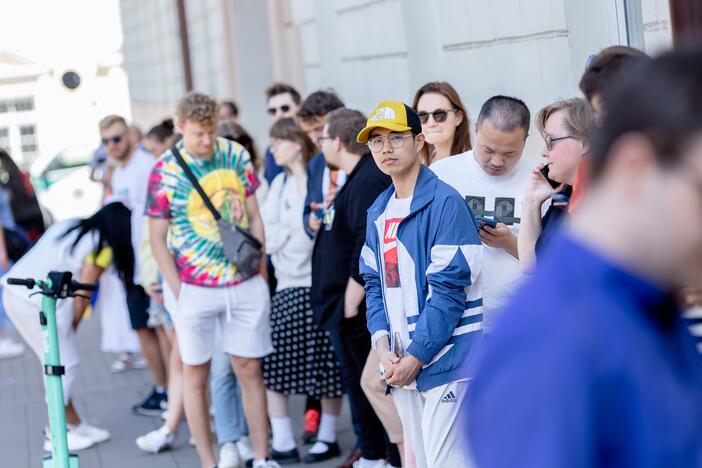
[{"x": 338, "y": 247}]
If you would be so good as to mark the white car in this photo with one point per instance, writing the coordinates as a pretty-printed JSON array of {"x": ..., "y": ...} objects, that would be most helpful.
[{"x": 63, "y": 185}]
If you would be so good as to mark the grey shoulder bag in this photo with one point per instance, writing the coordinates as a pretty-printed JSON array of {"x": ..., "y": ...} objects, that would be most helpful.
[{"x": 240, "y": 247}]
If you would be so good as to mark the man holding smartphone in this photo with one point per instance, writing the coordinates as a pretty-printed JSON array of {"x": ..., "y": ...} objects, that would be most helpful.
[{"x": 491, "y": 178}]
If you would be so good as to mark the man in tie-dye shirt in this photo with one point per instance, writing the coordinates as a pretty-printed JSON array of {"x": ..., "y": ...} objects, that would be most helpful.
[{"x": 202, "y": 288}]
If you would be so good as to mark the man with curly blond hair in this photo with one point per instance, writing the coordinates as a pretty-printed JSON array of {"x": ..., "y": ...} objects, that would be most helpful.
[{"x": 203, "y": 289}]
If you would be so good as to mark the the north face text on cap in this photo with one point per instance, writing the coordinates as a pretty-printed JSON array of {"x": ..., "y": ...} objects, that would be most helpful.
[{"x": 384, "y": 113}]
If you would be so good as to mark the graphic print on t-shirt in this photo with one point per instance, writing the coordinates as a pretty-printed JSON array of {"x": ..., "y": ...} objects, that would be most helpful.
[
  {"x": 504, "y": 211},
  {"x": 392, "y": 268}
]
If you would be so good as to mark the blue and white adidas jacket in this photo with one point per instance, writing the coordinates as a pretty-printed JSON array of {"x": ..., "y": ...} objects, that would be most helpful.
[{"x": 440, "y": 256}]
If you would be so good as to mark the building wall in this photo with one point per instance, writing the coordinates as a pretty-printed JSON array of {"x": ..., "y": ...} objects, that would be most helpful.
[
  {"x": 32, "y": 66},
  {"x": 369, "y": 50}
]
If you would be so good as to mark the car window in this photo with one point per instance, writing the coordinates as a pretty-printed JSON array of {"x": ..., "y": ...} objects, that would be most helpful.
[
  {"x": 71, "y": 157},
  {"x": 65, "y": 163}
]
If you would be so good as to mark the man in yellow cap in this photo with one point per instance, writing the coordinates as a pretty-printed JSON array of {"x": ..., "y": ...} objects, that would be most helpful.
[{"x": 421, "y": 264}]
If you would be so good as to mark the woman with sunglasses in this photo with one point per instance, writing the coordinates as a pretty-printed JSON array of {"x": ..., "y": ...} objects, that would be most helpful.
[
  {"x": 303, "y": 362},
  {"x": 566, "y": 126},
  {"x": 445, "y": 122}
]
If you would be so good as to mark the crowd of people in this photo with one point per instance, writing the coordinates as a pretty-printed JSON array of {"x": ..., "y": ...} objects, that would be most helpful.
[{"x": 476, "y": 306}]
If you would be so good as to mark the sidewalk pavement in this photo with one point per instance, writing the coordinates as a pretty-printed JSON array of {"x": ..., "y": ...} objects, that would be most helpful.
[{"x": 104, "y": 399}]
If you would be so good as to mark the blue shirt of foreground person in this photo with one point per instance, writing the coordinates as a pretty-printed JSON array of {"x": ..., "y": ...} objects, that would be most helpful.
[{"x": 592, "y": 364}]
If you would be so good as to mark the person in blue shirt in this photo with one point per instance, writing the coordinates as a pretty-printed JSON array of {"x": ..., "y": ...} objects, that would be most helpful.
[{"x": 592, "y": 365}]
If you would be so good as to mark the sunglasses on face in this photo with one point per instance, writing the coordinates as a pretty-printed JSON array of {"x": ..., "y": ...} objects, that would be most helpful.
[
  {"x": 115, "y": 140},
  {"x": 274, "y": 110},
  {"x": 439, "y": 115}
]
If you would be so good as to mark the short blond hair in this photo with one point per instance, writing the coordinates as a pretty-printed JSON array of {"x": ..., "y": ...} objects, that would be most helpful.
[
  {"x": 578, "y": 117},
  {"x": 197, "y": 107},
  {"x": 110, "y": 120}
]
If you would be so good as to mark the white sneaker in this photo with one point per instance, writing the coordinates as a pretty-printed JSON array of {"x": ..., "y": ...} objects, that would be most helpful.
[
  {"x": 266, "y": 464},
  {"x": 138, "y": 362},
  {"x": 95, "y": 434},
  {"x": 10, "y": 348},
  {"x": 365, "y": 463},
  {"x": 76, "y": 442},
  {"x": 246, "y": 452},
  {"x": 229, "y": 456},
  {"x": 156, "y": 441},
  {"x": 121, "y": 364}
]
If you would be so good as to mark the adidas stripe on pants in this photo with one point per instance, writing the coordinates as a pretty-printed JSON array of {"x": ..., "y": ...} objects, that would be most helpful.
[{"x": 433, "y": 425}]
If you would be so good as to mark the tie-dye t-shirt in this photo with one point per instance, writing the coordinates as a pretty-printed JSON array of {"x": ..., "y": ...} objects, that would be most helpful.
[{"x": 193, "y": 238}]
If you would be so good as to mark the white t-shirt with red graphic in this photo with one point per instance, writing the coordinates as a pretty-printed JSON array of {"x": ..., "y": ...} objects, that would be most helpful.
[{"x": 396, "y": 211}]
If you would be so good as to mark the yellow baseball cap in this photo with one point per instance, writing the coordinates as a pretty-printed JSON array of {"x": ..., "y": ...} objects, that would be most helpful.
[{"x": 396, "y": 116}]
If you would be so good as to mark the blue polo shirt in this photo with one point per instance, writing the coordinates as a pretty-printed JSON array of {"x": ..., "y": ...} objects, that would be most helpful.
[{"x": 590, "y": 366}]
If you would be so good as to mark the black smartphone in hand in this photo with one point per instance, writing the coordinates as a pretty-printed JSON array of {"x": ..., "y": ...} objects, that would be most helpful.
[
  {"x": 552, "y": 183},
  {"x": 485, "y": 221}
]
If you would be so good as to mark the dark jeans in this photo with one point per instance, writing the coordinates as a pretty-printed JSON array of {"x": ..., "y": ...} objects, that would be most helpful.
[{"x": 352, "y": 344}]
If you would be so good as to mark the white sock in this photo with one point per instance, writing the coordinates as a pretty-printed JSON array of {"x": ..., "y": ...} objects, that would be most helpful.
[
  {"x": 327, "y": 428},
  {"x": 283, "y": 439},
  {"x": 326, "y": 433}
]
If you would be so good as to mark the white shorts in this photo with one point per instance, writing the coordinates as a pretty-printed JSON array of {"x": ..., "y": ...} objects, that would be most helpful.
[
  {"x": 24, "y": 315},
  {"x": 433, "y": 426},
  {"x": 243, "y": 313}
]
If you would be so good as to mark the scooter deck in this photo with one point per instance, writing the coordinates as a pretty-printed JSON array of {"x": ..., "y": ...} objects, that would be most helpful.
[{"x": 72, "y": 462}]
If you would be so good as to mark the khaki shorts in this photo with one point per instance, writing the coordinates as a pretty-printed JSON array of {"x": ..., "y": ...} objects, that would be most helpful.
[{"x": 242, "y": 312}]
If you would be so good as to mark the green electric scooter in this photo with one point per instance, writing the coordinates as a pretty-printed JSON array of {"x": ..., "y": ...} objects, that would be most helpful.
[{"x": 59, "y": 285}]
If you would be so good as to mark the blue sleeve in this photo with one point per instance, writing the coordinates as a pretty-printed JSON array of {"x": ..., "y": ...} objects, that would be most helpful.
[
  {"x": 370, "y": 271},
  {"x": 456, "y": 260},
  {"x": 530, "y": 402}
]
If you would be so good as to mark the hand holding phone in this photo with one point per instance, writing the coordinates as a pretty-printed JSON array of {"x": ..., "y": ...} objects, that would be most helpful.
[{"x": 485, "y": 221}]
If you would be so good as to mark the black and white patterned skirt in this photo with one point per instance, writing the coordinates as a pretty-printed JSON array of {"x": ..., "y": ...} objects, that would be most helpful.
[{"x": 303, "y": 362}]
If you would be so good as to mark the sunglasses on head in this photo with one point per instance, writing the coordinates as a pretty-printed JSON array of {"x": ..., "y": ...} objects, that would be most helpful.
[
  {"x": 284, "y": 108},
  {"x": 439, "y": 115},
  {"x": 114, "y": 140}
]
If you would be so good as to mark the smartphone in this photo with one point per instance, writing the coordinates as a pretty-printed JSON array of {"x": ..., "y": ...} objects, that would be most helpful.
[
  {"x": 544, "y": 172},
  {"x": 485, "y": 221}
]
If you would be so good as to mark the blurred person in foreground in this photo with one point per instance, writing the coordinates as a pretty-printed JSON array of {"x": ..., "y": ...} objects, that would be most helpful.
[{"x": 592, "y": 365}]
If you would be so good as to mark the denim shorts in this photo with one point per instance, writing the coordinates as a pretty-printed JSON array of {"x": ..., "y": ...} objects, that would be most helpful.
[{"x": 159, "y": 316}]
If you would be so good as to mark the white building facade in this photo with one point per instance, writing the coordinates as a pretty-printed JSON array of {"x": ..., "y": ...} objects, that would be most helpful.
[{"x": 370, "y": 50}]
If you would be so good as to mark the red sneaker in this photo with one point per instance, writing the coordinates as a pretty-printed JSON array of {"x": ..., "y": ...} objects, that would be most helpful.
[{"x": 311, "y": 427}]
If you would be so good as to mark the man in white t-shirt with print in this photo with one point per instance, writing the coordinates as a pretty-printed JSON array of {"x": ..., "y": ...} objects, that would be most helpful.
[
  {"x": 130, "y": 180},
  {"x": 492, "y": 177}
]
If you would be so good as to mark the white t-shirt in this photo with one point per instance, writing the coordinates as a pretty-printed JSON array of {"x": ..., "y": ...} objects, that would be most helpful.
[
  {"x": 287, "y": 243},
  {"x": 52, "y": 252},
  {"x": 130, "y": 184},
  {"x": 493, "y": 196},
  {"x": 395, "y": 211}
]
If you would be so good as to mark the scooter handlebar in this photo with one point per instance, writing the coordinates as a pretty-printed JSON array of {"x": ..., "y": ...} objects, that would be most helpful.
[
  {"x": 76, "y": 286},
  {"x": 28, "y": 282}
]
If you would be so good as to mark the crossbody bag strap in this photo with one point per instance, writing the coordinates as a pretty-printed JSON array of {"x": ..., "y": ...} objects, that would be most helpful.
[{"x": 193, "y": 180}]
